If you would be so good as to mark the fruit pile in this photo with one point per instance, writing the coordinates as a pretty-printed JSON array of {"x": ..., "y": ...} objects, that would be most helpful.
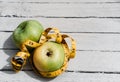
[{"x": 47, "y": 49}]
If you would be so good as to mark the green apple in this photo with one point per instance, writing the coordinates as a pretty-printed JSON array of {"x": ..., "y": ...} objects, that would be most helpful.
[
  {"x": 27, "y": 30},
  {"x": 49, "y": 57}
]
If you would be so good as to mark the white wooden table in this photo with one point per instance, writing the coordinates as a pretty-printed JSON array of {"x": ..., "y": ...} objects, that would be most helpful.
[{"x": 95, "y": 24}]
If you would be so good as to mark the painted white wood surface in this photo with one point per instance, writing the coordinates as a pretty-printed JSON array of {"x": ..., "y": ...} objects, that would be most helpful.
[
  {"x": 59, "y": 10},
  {"x": 95, "y": 25},
  {"x": 84, "y": 61},
  {"x": 29, "y": 76},
  {"x": 59, "y": 1},
  {"x": 65, "y": 25},
  {"x": 85, "y": 41}
]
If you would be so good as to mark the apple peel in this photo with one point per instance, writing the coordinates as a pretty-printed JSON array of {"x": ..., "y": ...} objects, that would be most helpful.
[{"x": 19, "y": 60}]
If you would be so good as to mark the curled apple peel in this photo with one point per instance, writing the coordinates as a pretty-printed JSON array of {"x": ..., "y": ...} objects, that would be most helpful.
[{"x": 19, "y": 60}]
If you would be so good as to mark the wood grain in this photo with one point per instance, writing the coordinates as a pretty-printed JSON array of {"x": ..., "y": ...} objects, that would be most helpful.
[
  {"x": 84, "y": 62},
  {"x": 100, "y": 42},
  {"x": 26, "y": 10},
  {"x": 66, "y": 77},
  {"x": 58, "y": 1},
  {"x": 110, "y": 26},
  {"x": 94, "y": 24}
]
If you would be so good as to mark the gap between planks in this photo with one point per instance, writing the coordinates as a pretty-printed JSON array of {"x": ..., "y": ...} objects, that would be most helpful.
[
  {"x": 65, "y": 17},
  {"x": 72, "y": 71},
  {"x": 75, "y": 32}
]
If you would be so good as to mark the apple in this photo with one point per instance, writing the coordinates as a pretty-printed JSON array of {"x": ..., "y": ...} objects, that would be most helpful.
[
  {"x": 49, "y": 57},
  {"x": 27, "y": 30}
]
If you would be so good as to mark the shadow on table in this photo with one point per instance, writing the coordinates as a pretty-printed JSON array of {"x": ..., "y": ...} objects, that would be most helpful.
[
  {"x": 10, "y": 52},
  {"x": 37, "y": 76},
  {"x": 10, "y": 49}
]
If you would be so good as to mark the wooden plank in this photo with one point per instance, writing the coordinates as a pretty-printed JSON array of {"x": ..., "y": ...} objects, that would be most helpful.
[
  {"x": 59, "y": 10},
  {"x": 6, "y": 55},
  {"x": 29, "y": 76},
  {"x": 65, "y": 25},
  {"x": 59, "y": 1},
  {"x": 6, "y": 40},
  {"x": 84, "y": 61},
  {"x": 95, "y": 61},
  {"x": 107, "y": 42}
]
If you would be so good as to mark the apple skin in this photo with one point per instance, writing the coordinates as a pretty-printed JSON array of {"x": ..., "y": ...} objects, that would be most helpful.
[
  {"x": 49, "y": 62},
  {"x": 27, "y": 30}
]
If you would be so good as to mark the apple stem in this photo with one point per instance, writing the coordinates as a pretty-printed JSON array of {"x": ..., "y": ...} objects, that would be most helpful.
[{"x": 49, "y": 54}]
